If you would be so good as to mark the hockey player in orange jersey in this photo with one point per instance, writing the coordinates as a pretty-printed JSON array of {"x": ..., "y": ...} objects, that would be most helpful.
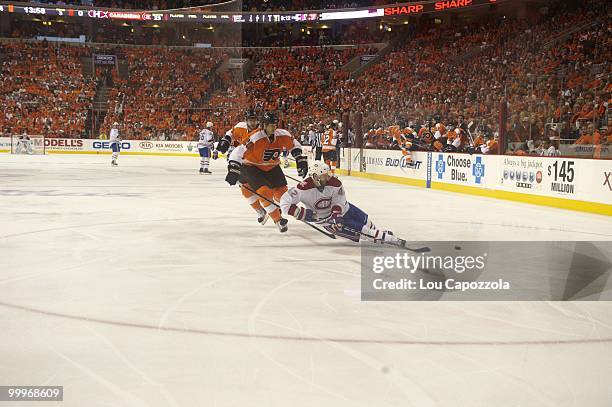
[
  {"x": 403, "y": 139},
  {"x": 329, "y": 139},
  {"x": 257, "y": 162},
  {"x": 233, "y": 138}
]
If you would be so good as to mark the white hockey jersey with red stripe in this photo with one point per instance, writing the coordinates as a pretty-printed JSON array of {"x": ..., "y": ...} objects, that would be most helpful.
[{"x": 320, "y": 201}]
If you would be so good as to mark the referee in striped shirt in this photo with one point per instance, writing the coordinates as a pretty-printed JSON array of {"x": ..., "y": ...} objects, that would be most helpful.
[{"x": 316, "y": 142}]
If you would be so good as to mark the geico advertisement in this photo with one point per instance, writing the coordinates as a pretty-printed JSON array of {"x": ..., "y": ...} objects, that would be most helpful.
[{"x": 106, "y": 145}]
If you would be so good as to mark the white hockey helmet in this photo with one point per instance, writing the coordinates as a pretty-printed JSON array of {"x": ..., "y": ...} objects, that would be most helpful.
[
  {"x": 319, "y": 171},
  {"x": 209, "y": 125},
  {"x": 115, "y": 124}
]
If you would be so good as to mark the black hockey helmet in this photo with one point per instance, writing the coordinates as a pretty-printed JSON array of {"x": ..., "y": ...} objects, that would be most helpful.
[
  {"x": 250, "y": 114},
  {"x": 269, "y": 118}
]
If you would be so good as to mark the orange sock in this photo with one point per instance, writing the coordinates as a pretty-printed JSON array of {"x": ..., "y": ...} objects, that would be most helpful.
[
  {"x": 279, "y": 192},
  {"x": 272, "y": 209},
  {"x": 251, "y": 198},
  {"x": 332, "y": 166}
]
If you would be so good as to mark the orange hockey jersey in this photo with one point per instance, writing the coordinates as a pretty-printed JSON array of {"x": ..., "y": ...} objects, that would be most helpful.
[
  {"x": 328, "y": 140},
  {"x": 264, "y": 152},
  {"x": 240, "y": 132}
]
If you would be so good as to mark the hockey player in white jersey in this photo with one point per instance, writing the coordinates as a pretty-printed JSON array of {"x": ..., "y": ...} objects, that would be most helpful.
[
  {"x": 24, "y": 145},
  {"x": 205, "y": 146},
  {"x": 324, "y": 202},
  {"x": 115, "y": 143}
]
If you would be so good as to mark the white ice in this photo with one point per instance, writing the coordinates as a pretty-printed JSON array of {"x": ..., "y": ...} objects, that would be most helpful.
[{"x": 152, "y": 285}]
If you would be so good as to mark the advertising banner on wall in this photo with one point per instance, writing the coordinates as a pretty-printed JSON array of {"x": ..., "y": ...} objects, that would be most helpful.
[
  {"x": 392, "y": 162},
  {"x": 5, "y": 144},
  {"x": 550, "y": 176},
  {"x": 567, "y": 178},
  {"x": 601, "y": 180},
  {"x": 99, "y": 59},
  {"x": 463, "y": 169},
  {"x": 95, "y": 146}
]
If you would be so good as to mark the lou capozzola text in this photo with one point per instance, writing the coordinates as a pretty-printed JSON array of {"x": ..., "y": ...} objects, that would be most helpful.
[{"x": 408, "y": 263}]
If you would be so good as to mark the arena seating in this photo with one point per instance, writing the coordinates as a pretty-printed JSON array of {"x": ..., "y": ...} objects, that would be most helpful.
[
  {"x": 164, "y": 92},
  {"x": 43, "y": 90},
  {"x": 551, "y": 68}
]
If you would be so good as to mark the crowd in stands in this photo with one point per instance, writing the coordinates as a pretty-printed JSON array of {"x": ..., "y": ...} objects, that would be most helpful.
[
  {"x": 43, "y": 90},
  {"x": 144, "y": 33},
  {"x": 543, "y": 83},
  {"x": 290, "y": 81},
  {"x": 440, "y": 88},
  {"x": 163, "y": 93}
]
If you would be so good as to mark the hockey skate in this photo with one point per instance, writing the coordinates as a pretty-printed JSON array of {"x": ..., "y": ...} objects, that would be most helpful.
[
  {"x": 201, "y": 170},
  {"x": 389, "y": 238},
  {"x": 206, "y": 171},
  {"x": 282, "y": 225},
  {"x": 114, "y": 163},
  {"x": 262, "y": 217}
]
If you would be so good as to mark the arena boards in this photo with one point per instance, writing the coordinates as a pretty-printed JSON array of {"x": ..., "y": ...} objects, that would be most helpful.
[{"x": 567, "y": 183}]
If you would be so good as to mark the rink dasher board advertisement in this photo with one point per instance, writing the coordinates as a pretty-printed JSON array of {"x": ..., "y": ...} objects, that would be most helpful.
[
  {"x": 563, "y": 182},
  {"x": 387, "y": 162},
  {"x": 93, "y": 146},
  {"x": 463, "y": 169},
  {"x": 570, "y": 178}
]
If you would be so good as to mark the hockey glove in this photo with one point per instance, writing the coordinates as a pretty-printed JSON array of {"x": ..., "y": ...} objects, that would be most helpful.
[
  {"x": 215, "y": 155},
  {"x": 335, "y": 219},
  {"x": 300, "y": 213},
  {"x": 223, "y": 145},
  {"x": 233, "y": 172},
  {"x": 301, "y": 163}
]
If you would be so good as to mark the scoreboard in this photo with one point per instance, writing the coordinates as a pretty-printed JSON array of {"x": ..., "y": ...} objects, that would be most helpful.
[{"x": 249, "y": 17}]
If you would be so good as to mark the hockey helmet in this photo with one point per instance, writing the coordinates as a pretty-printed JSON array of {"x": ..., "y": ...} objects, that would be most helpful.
[
  {"x": 250, "y": 114},
  {"x": 319, "y": 172},
  {"x": 269, "y": 118},
  {"x": 209, "y": 125}
]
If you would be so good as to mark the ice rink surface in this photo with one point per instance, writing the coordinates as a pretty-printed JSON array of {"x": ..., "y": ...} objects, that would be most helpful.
[{"x": 152, "y": 285}]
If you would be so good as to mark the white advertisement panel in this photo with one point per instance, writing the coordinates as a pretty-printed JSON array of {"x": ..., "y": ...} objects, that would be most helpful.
[
  {"x": 392, "y": 162},
  {"x": 5, "y": 144},
  {"x": 464, "y": 169},
  {"x": 570, "y": 178},
  {"x": 92, "y": 146},
  {"x": 601, "y": 181}
]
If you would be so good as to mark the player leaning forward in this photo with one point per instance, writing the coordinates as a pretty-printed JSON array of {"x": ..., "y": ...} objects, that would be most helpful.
[
  {"x": 325, "y": 202},
  {"x": 115, "y": 143},
  {"x": 257, "y": 162}
]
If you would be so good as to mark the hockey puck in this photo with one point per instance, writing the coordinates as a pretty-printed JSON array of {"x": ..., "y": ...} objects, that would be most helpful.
[{"x": 457, "y": 247}]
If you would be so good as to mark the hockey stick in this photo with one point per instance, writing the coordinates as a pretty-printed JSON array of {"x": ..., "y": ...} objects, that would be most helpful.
[
  {"x": 294, "y": 179},
  {"x": 400, "y": 244},
  {"x": 330, "y": 235},
  {"x": 470, "y": 134}
]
